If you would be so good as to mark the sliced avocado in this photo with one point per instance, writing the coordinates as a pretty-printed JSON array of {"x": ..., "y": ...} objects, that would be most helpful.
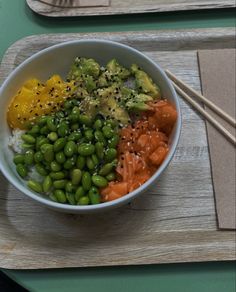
[
  {"x": 80, "y": 92},
  {"x": 83, "y": 66},
  {"x": 144, "y": 83},
  {"x": 109, "y": 105},
  {"x": 116, "y": 69},
  {"x": 89, "y": 83},
  {"x": 137, "y": 105},
  {"x": 90, "y": 106}
]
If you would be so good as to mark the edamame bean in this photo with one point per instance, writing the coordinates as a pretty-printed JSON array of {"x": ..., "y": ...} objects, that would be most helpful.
[
  {"x": 99, "y": 181},
  {"x": 59, "y": 144},
  {"x": 70, "y": 188},
  {"x": 53, "y": 197},
  {"x": 70, "y": 148},
  {"x": 110, "y": 154},
  {"x": 38, "y": 156},
  {"x": 51, "y": 124},
  {"x": 60, "y": 157},
  {"x": 70, "y": 162},
  {"x": 107, "y": 131},
  {"x": 29, "y": 157},
  {"x": 29, "y": 139},
  {"x": 35, "y": 186},
  {"x": 41, "y": 169},
  {"x": 74, "y": 115},
  {"x": 75, "y": 136},
  {"x": 47, "y": 184},
  {"x": 89, "y": 135},
  {"x": 48, "y": 152},
  {"x": 95, "y": 159},
  {"x": 98, "y": 124},
  {"x": 83, "y": 201},
  {"x": 57, "y": 175},
  {"x": 85, "y": 120},
  {"x": 86, "y": 149},
  {"x": 60, "y": 195},
  {"x": 19, "y": 158},
  {"x": 41, "y": 142},
  {"x": 86, "y": 181},
  {"x": 76, "y": 175},
  {"x": 111, "y": 123},
  {"x": 111, "y": 176},
  {"x": 63, "y": 129},
  {"x": 80, "y": 192},
  {"x": 68, "y": 104},
  {"x": 27, "y": 146},
  {"x": 59, "y": 184},
  {"x": 34, "y": 130},
  {"x": 74, "y": 127},
  {"x": 81, "y": 162},
  {"x": 21, "y": 170},
  {"x": 99, "y": 147},
  {"x": 52, "y": 136},
  {"x": 71, "y": 198},
  {"x": 112, "y": 143},
  {"x": 106, "y": 169},
  {"x": 44, "y": 130},
  {"x": 55, "y": 166},
  {"x": 42, "y": 120},
  {"x": 89, "y": 163},
  {"x": 94, "y": 196},
  {"x": 99, "y": 136}
]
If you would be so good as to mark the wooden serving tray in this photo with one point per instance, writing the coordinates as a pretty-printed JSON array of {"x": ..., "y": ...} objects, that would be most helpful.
[
  {"x": 128, "y": 7},
  {"x": 174, "y": 222}
]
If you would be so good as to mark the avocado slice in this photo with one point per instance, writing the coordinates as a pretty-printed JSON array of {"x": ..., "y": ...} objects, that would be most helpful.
[
  {"x": 109, "y": 105},
  {"x": 144, "y": 83},
  {"x": 90, "y": 106},
  {"x": 116, "y": 69},
  {"x": 83, "y": 66}
]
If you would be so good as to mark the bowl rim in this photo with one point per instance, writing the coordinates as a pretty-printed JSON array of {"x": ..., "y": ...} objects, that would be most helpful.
[{"x": 128, "y": 197}]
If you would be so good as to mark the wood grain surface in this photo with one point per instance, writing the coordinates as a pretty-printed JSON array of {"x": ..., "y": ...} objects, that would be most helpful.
[
  {"x": 129, "y": 7},
  {"x": 174, "y": 222}
]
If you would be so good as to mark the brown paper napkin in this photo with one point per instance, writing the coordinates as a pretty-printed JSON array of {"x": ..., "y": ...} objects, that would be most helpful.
[{"x": 217, "y": 70}]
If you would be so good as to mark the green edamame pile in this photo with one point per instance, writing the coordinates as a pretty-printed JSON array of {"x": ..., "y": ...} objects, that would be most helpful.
[{"x": 74, "y": 154}]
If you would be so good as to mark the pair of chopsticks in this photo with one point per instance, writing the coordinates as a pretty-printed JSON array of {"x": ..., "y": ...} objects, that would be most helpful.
[{"x": 176, "y": 82}]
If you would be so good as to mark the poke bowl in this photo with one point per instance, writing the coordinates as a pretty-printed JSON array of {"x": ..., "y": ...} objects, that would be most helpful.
[{"x": 87, "y": 125}]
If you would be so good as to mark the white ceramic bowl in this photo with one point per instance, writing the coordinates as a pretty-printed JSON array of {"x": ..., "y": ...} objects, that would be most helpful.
[{"x": 58, "y": 59}]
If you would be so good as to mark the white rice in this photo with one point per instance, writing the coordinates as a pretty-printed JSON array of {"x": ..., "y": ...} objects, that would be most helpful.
[{"x": 15, "y": 140}]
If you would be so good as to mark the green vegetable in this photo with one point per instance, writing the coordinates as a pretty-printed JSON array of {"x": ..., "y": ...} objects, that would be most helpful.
[
  {"x": 111, "y": 176},
  {"x": 41, "y": 169},
  {"x": 83, "y": 200},
  {"x": 35, "y": 186},
  {"x": 60, "y": 157},
  {"x": 70, "y": 188},
  {"x": 19, "y": 158},
  {"x": 59, "y": 184},
  {"x": 57, "y": 175},
  {"x": 76, "y": 175},
  {"x": 28, "y": 138},
  {"x": 80, "y": 192},
  {"x": 59, "y": 144},
  {"x": 47, "y": 184},
  {"x": 55, "y": 166},
  {"x": 81, "y": 161},
  {"x": 86, "y": 181},
  {"x": 70, "y": 148},
  {"x": 99, "y": 181},
  {"x": 110, "y": 154},
  {"x": 51, "y": 124},
  {"x": 94, "y": 195},
  {"x": 29, "y": 157},
  {"x": 48, "y": 152},
  {"x": 106, "y": 169},
  {"x": 89, "y": 163},
  {"x": 86, "y": 149},
  {"x": 71, "y": 198},
  {"x": 52, "y": 136},
  {"x": 60, "y": 196},
  {"x": 21, "y": 170},
  {"x": 99, "y": 147}
]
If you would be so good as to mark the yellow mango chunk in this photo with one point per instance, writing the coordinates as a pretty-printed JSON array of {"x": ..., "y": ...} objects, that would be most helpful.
[{"x": 35, "y": 99}]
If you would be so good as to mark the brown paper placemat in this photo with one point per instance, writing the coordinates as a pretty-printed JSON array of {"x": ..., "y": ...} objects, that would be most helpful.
[{"x": 217, "y": 69}]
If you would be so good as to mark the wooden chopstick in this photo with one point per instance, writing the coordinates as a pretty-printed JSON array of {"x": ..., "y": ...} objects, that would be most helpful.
[
  {"x": 202, "y": 98},
  {"x": 204, "y": 113}
]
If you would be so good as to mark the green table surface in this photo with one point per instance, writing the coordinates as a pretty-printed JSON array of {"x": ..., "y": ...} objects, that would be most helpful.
[{"x": 18, "y": 21}]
